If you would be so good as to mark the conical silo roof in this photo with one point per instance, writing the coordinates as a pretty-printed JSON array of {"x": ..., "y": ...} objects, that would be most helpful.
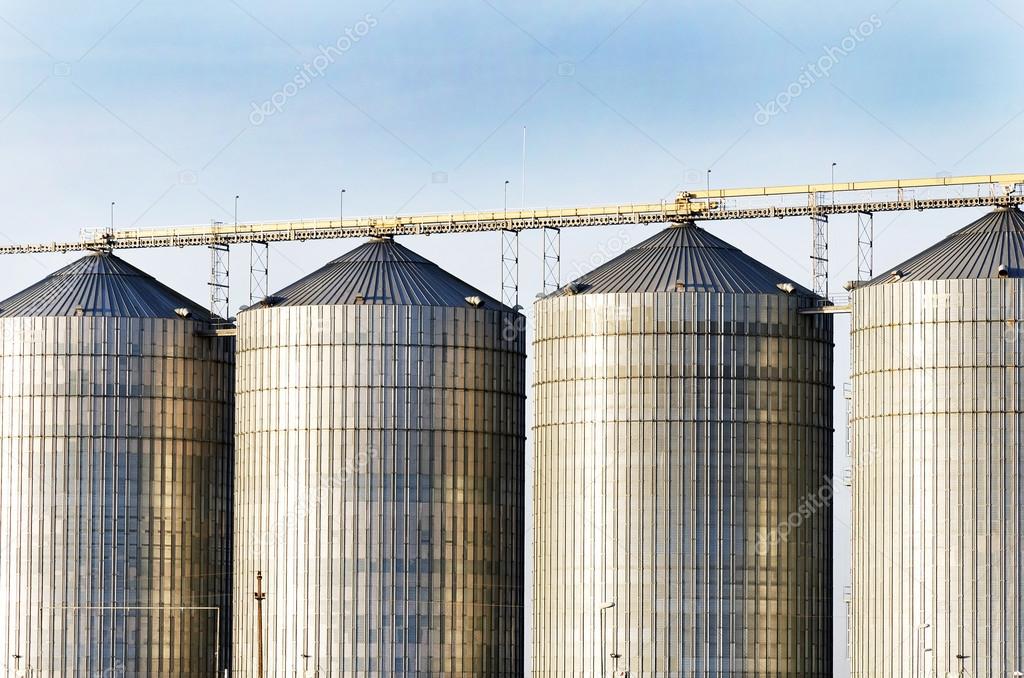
[
  {"x": 100, "y": 284},
  {"x": 975, "y": 251},
  {"x": 683, "y": 257},
  {"x": 381, "y": 272}
]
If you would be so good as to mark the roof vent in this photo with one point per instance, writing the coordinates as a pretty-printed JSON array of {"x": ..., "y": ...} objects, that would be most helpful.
[
  {"x": 79, "y": 311},
  {"x": 680, "y": 286},
  {"x": 1002, "y": 271},
  {"x": 360, "y": 299},
  {"x": 474, "y": 301},
  {"x": 573, "y": 288},
  {"x": 897, "y": 274},
  {"x": 183, "y": 312},
  {"x": 787, "y": 287},
  {"x": 851, "y": 285}
]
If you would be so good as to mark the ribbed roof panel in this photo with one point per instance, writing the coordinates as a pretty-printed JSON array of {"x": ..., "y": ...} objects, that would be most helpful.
[
  {"x": 683, "y": 255},
  {"x": 381, "y": 272},
  {"x": 975, "y": 251},
  {"x": 100, "y": 284}
]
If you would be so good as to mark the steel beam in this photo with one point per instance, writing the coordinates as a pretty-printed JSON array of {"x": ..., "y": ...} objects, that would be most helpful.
[{"x": 328, "y": 229}]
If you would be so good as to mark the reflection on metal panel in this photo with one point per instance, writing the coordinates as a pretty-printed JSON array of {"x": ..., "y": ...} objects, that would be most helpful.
[
  {"x": 380, "y": 490},
  {"x": 937, "y": 490},
  {"x": 115, "y": 495},
  {"x": 683, "y": 463}
]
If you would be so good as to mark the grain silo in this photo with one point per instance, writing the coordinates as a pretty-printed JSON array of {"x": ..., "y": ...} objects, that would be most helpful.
[
  {"x": 937, "y": 483},
  {"x": 115, "y": 478},
  {"x": 683, "y": 459},
  {"x": 380, "y": 474}
]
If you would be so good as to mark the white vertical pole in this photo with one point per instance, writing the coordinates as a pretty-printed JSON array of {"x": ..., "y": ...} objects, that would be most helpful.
[{"x": 524, "y": 167}]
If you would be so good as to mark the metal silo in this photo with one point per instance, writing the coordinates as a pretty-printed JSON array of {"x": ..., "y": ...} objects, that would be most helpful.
[
  {"x": 938, "y": 429},
  {"x": 380, "y": 474},
  {"x": 683, "y": 459},
  {"x": 115, "y": 478}
]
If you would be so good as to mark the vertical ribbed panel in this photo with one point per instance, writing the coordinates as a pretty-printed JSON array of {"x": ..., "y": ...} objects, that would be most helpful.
[
  {"x": 680, "y": 439},
  {"x": 937, "y": 380},
  {"x": 115, "y": 492},
  {"x": 380, "y": 490}
]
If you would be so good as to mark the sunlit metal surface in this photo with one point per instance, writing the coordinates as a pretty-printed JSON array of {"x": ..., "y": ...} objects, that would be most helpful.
[
  {"x": 937, "y": 489},
  {"x": 682, "y": 471},
  {"x": 115, "y": 484},
  {"x": 380, "y": 476}
]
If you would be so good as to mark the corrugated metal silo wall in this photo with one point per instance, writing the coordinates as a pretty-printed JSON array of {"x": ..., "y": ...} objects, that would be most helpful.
[
  {"x": 683, "y": 471},
  {"x": 380, "y": 490},
  {"x": 937, "y": 485},
  {"x": 115, "y": 492}
]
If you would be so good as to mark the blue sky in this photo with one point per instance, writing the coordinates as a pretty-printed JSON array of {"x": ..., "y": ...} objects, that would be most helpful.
[{"x": 150, "y": 104}]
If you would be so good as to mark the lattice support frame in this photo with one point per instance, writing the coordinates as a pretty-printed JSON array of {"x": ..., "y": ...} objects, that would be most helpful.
[
  {"x": 259, "y": 271},
  {"x": 819, "y": 254},
  {"x": 552, "y": 259},
  {"x": 220, "y": 278},
  {"x": 865, "y": 245},
  {"x": 510, "y": 268}
]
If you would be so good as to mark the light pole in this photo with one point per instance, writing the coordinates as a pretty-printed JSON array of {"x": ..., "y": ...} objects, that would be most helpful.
[
  {"x": 834, "y": 183},
  {"x": 259, "y": 596},
  {"x": 963, "y": 658},
  {"x": 341, "y": 209},
  {"x": 920, "y": 648},
  {"x": 604, "y": 654},
  {"x": 305, "y": 667},
  {"x": 112, "y": 216},
  {"x": 236, "y": 212}
]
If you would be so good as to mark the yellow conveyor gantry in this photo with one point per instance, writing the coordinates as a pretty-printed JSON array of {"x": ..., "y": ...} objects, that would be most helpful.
[{"x": 864, "y": 198}]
